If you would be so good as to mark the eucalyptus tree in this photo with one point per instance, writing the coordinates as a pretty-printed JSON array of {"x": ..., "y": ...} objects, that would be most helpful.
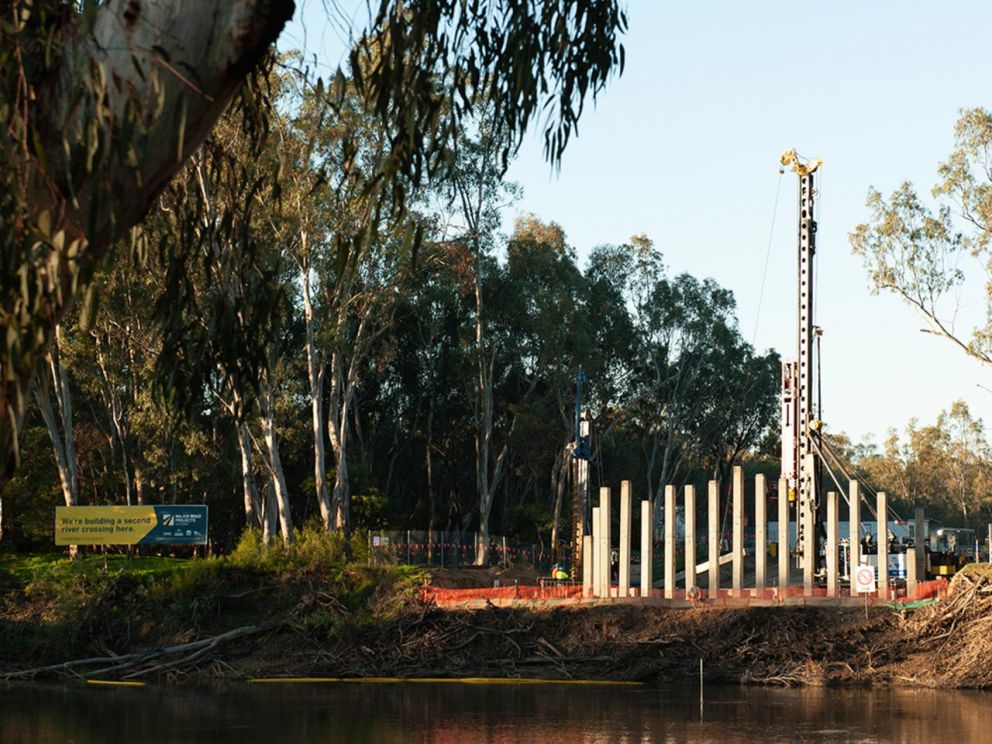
[
  {"x": 552, "y": 323},
  {"x": 361, "y": 277},
  {"x": 417, "y": 411},
  {"x": 475, "y": 193},
  {"x": 945, "y": 467},
  {"x": 621, "y": 279},
  {"x": 688, "y": 323},
  {"x": 672, "y": 327},
  {"x": 98, "y": 115},
  {"x": 224, "y": 308},
  {"x": 114, "y": 356},
  {"x": 917, "y": 252},
  {"x": 107, "y": 357},
  {"x": 348, "y": 245},
  {"x": 104, "y": 102},
  {"x": 54, "y": 382},
  {"x": 300, "y": 222},
  {"x": 365, "y": 305},
  {"x": 690, "y": 384},
  {"x": 312, "y": 223},
  {"x": 969, "y": 456},
  {"x": 742, "y": 409}
]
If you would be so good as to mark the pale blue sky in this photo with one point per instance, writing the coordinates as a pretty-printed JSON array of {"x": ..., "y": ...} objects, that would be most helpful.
[{"x": 684, "y": 147}]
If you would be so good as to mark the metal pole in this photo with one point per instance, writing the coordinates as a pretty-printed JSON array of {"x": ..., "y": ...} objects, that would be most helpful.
[
  {"x": 832, "y": 541},
  {"x": 700, "y": 687},
  {"x": 807, "y": 427}
]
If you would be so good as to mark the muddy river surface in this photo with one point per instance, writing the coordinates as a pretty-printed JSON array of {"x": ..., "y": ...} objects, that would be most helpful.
[{"x": 459, "y": 713}]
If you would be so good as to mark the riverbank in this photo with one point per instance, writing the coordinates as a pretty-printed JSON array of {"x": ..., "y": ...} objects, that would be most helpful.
[{"x": 324, "y": 612}]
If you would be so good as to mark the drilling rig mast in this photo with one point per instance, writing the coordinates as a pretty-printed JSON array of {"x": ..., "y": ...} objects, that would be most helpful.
[
  {"x": 581, "y": 453},
  {"x": 800, "y": 427}
]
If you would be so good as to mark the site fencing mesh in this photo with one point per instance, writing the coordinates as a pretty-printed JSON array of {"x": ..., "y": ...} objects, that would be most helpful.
[{"x": 451, "y": 549}]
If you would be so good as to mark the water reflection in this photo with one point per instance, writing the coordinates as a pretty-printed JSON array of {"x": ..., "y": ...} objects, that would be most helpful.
[{"x": 450, "y": 714}]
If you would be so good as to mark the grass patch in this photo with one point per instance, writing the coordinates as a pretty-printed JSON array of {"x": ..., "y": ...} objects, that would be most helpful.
[
  {"x": 64, "y": 609},
  {"x": 20, "y": 568}
]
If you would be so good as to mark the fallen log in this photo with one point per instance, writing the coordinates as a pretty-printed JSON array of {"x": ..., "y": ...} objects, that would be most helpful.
[{"x": 112, "y": 664}]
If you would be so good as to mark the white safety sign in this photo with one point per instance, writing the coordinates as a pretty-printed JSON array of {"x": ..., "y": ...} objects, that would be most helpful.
[{"x": 864, "y": 580}]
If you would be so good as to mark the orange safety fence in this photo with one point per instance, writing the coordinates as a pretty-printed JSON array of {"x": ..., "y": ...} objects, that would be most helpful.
[
  {"x": 573, "y": 590},
  {"x": 926, "y": 590},
  {"x": 547, "y": 590}
]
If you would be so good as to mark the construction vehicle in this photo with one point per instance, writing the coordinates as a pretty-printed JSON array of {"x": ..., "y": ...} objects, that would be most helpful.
[
  {"x": 950, "y": 549},
  {"x": 802, "y": 463}
]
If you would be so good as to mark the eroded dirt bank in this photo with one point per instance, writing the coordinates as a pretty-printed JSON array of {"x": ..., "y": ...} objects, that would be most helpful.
[
  {"x": 781, "y": 646},
  {"x": 947, "y": 644}
]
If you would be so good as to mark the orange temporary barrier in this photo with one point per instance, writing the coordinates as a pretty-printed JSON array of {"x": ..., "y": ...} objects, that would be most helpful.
[{"x": 548, "y": 590}]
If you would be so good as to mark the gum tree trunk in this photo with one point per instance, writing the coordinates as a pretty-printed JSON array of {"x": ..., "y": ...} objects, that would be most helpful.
[
  {"x": 315, "y": 374},
  {"x": 164, "y": 70},
  {"x": 279, "y": 489},
  {"x": 253, "y": 507}
]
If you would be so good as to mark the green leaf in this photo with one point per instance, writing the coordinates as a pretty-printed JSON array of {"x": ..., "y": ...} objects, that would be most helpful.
[{"x": 182, "y": 109}]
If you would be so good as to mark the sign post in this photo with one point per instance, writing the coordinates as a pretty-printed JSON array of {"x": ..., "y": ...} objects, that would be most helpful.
[
  {"x": 864, "y": 580},
  {"x": 169, "y": 524},
  {"x": 864, "y": 583}
]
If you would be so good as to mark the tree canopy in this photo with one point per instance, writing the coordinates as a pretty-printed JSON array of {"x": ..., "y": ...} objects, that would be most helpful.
[
  {"x": 102, "y": 104},
  {"x": 917, "y": 252},
  {"x": 379, "y": 356}
]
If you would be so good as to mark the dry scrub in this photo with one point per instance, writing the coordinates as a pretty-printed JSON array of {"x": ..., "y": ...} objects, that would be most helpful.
[
  {"x": 947, "y": 644},
  {"x": 951, "y": 640}
]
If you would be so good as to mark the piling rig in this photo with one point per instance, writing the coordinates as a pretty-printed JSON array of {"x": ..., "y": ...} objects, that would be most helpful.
[
  {"x": 581, "y": 452},
  {"x": 801, "y": 427}
]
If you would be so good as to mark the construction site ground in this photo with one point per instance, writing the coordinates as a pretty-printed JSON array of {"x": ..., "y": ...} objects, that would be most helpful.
[
  {"x": 521, "y": 586},
  {"x": 945, "y": 644}
]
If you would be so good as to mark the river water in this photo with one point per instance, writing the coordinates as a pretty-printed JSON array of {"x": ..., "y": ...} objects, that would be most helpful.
[{"x": 459, "y": 713}]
